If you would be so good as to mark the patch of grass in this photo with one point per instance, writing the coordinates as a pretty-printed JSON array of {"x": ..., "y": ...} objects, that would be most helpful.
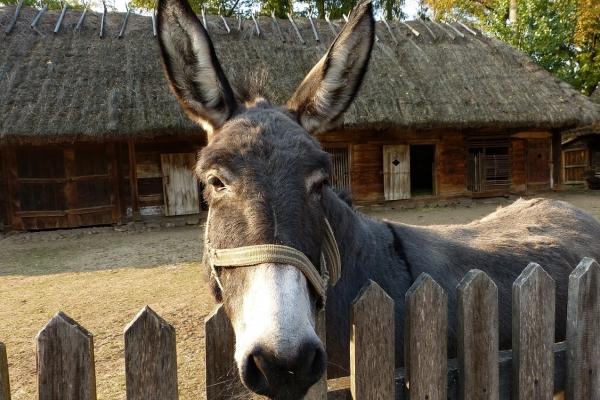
[{"x": 104, "y": 302}]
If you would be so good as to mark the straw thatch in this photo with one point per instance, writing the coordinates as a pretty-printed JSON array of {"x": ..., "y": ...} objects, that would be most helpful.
[
  {"x": 591, "y": 130},
  {"x": 75, "y": 84}
]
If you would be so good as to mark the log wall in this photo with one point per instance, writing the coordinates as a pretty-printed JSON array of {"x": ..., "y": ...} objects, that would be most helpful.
[{"x": 3, "y": 199}]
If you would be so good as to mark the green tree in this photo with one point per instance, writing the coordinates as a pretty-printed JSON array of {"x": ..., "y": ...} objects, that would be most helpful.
[
  {"x": 52, "y": 4},
  {"x": 563, "y": 36}
]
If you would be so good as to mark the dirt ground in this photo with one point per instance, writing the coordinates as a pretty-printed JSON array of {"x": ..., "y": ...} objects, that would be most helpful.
[{"x": 102, "y": 277}]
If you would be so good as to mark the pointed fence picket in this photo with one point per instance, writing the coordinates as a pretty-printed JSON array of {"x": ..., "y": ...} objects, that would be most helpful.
[
  {"x": 477, "y": 300},
  {"x": 65, "y": 361},
  {"x": 533, "y": 335},
  {"x": 150, "y": 358},
  {"x": 583, "y": 330},
  {"x": 534, "y": 369},
  {"x": 4, "y": 381}
]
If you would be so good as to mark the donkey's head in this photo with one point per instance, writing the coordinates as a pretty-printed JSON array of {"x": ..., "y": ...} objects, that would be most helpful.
[{"x": 266, "y": 180}]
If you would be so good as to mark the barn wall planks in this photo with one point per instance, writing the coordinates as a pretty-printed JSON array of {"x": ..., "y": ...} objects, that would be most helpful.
[
  {"x": 149, "y": 168},
  {"x": 3, "y": 197}
]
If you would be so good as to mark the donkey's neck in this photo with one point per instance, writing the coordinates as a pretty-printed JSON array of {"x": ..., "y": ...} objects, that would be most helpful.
[{"x": 369, "y": 249}]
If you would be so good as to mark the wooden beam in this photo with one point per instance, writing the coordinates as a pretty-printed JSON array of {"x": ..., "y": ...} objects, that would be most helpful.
[
  {"x": 37, "y": 18},
  {"x": 296, "y": 29},
  {"x": 277, "y": 25},
  {"x": 113, "y": 182},
  {"x": 317, "y": 38},
  {"x": 83, "y": 14},
  {"x": 121, "y": 181},
  {"x": 14, "y": 20},
  {"x": 135, "y": 198},
  {"x": 124, "y": 22},
  {"x": 60, "y": 19},
  {"x": 12, "y": 186},
  {"x": 103, "y": 19}
]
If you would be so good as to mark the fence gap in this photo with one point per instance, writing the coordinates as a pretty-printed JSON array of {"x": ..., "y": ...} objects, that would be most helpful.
[
  {"x": 372, "y": 344},
  {"x": 533, "y": 334},
  {"x": 583, "y": 319},
  {"x": 425, "y": 339},
  {"x": 150, "y": 358},
  {"x": 4, "y": 380},
  {"x": 222, "y": 379},
  {"x": 65, "y": 361},
  {"x": 477, "y": 300}
]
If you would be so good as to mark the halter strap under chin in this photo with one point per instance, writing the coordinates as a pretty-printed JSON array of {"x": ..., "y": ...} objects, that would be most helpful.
[{"x": 272, "y": 253}]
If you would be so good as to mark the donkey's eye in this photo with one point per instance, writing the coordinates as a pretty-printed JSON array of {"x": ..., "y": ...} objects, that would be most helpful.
[{"x": 216, "y": 183}]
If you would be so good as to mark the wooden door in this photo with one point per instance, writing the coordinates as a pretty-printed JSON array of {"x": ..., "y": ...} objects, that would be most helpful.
[
  {"x": 179, "y": 183},
  {"x": 396, "y": 172},
  {"x": 538, "y": 169}
]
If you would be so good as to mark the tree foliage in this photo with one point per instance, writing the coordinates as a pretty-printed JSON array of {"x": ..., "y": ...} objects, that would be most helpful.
[
  {"x": 563, "y": 36},
  {"x": 52, "y": 4}
]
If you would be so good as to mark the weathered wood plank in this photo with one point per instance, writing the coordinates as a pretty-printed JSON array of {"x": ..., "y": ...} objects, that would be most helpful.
[
  {"x": 319, "y": 390},
  {"x": 425, "y": 339},
  {"x": 150, "y": 358},
  {"x": 583, "y": 323},
  {"x": 477, "y": 298},
  {"x": 222, "y": 379},
  {"x": 65, "y": 361},
  {"x": 133, "y": 181},
  {"x": 179, "y": 183},
  {"x": 372, "y": 344},
  {"x": 533, "y": 334},
  {"x": 4, "y": 379}
]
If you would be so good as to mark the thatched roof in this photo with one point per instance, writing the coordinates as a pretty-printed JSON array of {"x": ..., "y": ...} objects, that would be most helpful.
[
  {"x": 75, "y": 84},
  {"x": 590, "y": 130}
]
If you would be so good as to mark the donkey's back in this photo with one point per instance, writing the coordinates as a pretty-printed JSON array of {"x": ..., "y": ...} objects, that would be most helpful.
[{"x": 551, "y": 233}]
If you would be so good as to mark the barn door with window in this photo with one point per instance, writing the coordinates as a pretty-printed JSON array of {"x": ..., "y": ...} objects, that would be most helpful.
[
  {"x": 396, "y": 172},
  {"x": 179, "y": 183}
]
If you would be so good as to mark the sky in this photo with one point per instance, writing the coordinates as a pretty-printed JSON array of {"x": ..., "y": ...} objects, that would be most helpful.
[{"x": 410, "y": 7}]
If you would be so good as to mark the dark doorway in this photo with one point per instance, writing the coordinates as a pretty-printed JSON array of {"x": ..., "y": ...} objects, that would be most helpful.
[{"x": 422, "y": 160}]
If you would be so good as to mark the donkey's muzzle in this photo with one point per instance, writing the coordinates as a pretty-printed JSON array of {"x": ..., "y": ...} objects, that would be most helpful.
[{"x": 269, "y": 374}]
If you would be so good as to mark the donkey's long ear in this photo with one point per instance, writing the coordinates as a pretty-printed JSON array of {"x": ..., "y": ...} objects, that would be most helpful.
[
  {"x": 329, "y": 88},
  {"x": 191, "y": 66}
]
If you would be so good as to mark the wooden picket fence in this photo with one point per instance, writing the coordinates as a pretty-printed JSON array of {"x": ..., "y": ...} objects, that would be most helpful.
[{"x": 534, "y": 369}]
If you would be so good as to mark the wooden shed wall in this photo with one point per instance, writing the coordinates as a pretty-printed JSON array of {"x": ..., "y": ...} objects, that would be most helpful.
[
  {"x": 3, "y": 199},
  {"x": 367, "y": 159},
  {"x": 149, "y": 169}
]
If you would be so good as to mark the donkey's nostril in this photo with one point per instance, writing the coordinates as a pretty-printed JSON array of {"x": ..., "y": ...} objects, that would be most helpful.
[
  {"x": 270, "y": 374},
  {"x": 252, "y": 374}
]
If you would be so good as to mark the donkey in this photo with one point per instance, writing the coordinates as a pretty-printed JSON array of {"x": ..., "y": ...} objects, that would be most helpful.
[{"x": 266, "y": 183}]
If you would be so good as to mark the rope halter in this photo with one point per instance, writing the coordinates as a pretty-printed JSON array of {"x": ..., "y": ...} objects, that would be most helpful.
[{"x": 248, "y": 256}]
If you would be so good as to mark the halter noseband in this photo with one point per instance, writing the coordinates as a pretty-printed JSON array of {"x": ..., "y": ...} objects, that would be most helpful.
[{"x": 247, "y": 256}]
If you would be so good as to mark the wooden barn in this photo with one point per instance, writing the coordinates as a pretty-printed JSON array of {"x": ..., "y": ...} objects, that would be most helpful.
[
  {"x": 581, "y": 153},
  {"x": 90, "y": 133}
]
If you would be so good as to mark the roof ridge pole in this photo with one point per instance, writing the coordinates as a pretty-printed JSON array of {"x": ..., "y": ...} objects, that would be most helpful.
[
  {"x": 62, "y": 16},
  {"x": 204, "y": 19},
  {"x": 78, "y": 27},
  {"x": 14, "y": 20},
  {"x": 390, "y": 31},
  {"x": 459, "y": 33},
  {"x": 429, "y": 29},
  {"x": 124, "y": 22},
  {"x": 444, "y": 30},
  {"x": 278, "y": 27},
  {"x": 103, "y": 19},
  {"x": 413, "y": 30},
  {"x": 317, "y": 38},
  {"x": 330, "y": 24},
  {"x": 225, "y": 23},
  {"x": 37, "y": 18},
  {"x": 296, "y": 28},
  {"x": 256, "y": 23},
  {"x": 467, "y": 28},
  {"x": 154, "y": 22}
]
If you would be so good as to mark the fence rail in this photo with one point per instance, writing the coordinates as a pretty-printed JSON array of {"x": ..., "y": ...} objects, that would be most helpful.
[{"x": 534, "y": 369}]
